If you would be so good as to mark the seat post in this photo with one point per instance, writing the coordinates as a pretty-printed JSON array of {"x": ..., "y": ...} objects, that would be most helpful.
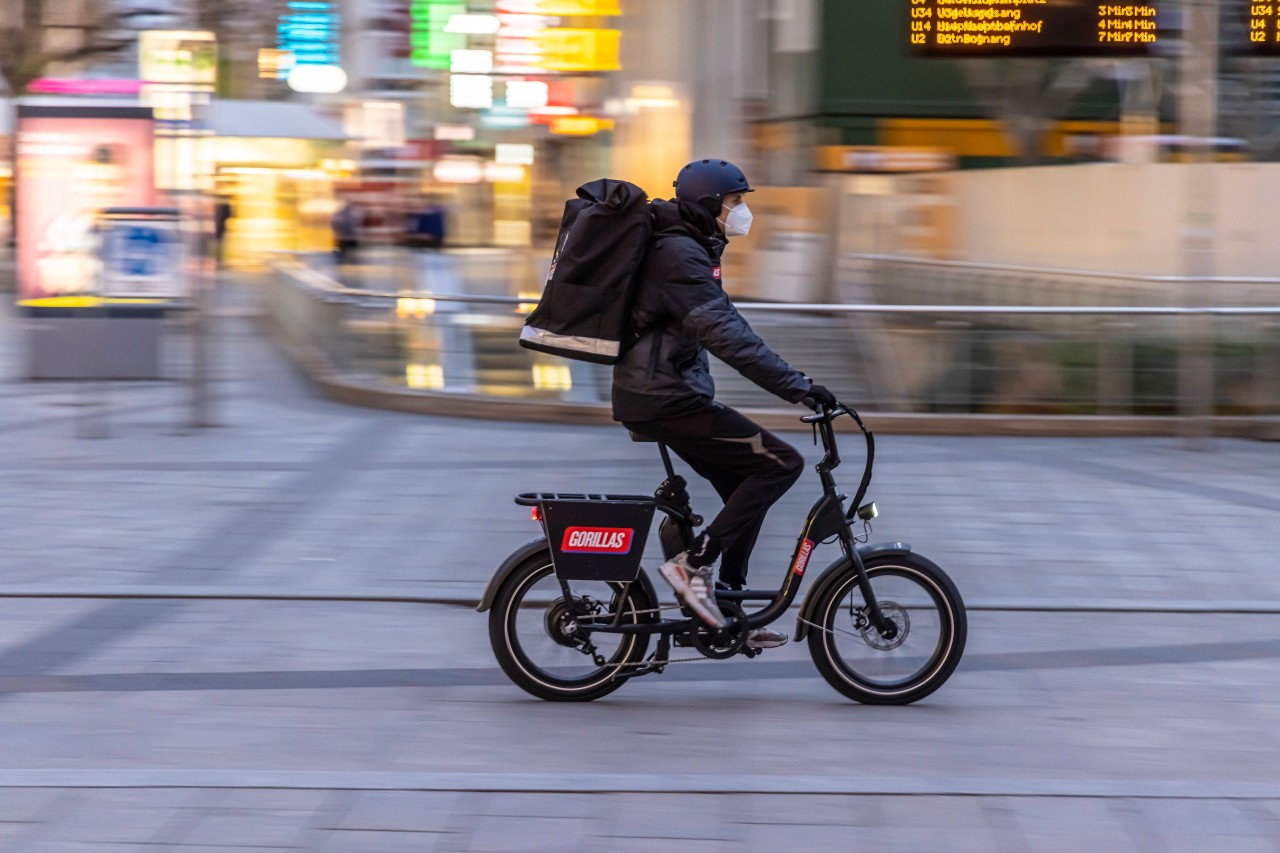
[{"x": 666, "y": 460}]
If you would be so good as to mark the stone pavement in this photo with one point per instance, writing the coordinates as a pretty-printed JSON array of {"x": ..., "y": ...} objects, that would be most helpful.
[{"x": 1117, "y": 694}]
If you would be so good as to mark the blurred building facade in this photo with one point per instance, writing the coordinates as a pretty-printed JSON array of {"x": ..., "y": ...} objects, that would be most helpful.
[{"x": 498, "y": 109}]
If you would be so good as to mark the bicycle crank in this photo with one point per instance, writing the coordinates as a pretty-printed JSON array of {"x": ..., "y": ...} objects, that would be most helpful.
[{"x": 722, "y": 643}]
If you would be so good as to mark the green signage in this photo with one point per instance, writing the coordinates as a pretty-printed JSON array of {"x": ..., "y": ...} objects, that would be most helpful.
[{"x": 429, "y": 45}]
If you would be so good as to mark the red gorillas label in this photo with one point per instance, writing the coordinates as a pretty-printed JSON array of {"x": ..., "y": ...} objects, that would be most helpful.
[
  {"x": 715, "y": 273},
  {"x": 802, "y": 557},
  {"x": 598, "y": 540}
]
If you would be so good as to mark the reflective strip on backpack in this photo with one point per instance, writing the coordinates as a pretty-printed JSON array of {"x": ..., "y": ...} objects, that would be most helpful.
[{"x": 574, "y": 343}]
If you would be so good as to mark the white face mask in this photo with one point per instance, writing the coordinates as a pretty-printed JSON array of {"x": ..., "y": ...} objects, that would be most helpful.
[{"x": 738, "y": 221}]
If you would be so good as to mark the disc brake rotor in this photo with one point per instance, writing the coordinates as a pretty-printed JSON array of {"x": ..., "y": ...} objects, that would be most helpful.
[{"x": 896, "y": 614}]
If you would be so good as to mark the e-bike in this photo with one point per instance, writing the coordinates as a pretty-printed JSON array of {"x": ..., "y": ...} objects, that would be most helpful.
[{"x": 572, "y": 614}]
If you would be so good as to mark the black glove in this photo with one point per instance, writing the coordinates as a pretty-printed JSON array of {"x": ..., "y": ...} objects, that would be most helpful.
[{"x": 819, "y": 398}]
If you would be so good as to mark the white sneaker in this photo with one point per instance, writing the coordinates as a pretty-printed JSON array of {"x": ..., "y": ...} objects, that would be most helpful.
[
  {"x": 763, "y": 638},
  {"x": 694, "y": 588}
]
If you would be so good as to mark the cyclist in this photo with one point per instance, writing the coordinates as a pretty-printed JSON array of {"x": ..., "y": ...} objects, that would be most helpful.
[{"x": 662, "y": 386}]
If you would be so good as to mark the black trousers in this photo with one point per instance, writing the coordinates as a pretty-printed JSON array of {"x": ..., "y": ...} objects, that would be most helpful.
[{"x": 748, "y": 466}]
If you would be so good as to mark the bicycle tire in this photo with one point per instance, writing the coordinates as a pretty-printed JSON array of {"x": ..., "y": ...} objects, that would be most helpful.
[
  {"x": 514, "y": 656},
  {"x": 906, "y": 576}
]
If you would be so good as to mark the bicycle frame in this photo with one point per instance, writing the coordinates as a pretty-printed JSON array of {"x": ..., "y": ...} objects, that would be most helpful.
[{"x": 825, "y": 519}]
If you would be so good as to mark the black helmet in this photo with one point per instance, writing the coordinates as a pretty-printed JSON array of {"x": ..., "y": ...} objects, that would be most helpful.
[{"x": 707, "y": 182}]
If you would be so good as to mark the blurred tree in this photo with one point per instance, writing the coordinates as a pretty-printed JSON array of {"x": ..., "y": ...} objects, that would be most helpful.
[
  {"x": 242, "y": 28},
  {"x": 36, "y": 35},
  {"x": 1028, "y": 95}
]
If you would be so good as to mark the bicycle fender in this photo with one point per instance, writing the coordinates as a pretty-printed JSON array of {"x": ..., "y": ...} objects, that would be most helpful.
[
  {"x": 524, "y": 552},
  {"x": 832, "y": 572},
  {"x": 508, "y": 566}
]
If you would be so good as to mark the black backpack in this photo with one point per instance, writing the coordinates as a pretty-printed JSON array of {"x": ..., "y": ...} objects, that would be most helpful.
[{"x": 585, "y": 310}]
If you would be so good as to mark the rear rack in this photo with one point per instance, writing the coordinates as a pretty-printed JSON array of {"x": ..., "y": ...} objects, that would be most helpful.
[{"x": 535, "y": 498}]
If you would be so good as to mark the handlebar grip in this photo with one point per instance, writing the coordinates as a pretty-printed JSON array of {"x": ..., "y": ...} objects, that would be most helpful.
[{"x": 818, "y": 417}]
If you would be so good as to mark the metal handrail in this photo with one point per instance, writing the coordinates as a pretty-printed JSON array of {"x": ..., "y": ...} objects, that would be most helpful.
[
  {"x": 338, "y": 288},
  {"x": 333, "y": 285},
  {"x": 1059, "y": 271}
]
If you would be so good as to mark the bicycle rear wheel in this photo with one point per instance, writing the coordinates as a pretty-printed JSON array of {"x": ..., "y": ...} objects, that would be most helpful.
[
  {"x": 910, "y": 661},
  {"x": 530, "y": 628}
]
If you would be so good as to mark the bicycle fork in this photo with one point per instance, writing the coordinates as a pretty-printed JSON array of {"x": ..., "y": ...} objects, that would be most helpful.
[{"x": 872, "y": 610}]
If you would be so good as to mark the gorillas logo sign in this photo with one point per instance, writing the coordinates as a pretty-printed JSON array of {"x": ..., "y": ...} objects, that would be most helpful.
[
  {"x": 802, "y": 557},
  {"x": 597, "y": 540}
]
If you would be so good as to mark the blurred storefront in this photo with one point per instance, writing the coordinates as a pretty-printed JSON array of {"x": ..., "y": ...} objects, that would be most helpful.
[
  {"x": 506, "y": 115},
  {"x": 279, "y": 187},
  {"x": 6, "y": 175},
  {"x": 6, "y": 191}
]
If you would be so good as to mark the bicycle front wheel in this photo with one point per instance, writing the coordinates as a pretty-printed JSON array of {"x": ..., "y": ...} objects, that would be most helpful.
[
  {"x": 536, "y": 635},
  {"x": 905, "y": 663}
]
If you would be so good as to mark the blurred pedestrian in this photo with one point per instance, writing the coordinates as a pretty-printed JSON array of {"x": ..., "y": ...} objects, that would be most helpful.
[
  {"x": 222, "y": 211},
  {"x": 426, "y": 226},
  {"x": 348, "y": 225}
]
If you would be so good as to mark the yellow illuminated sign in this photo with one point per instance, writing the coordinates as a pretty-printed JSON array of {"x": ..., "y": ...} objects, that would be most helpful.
[
  {"x": 579, "y": 125},
  {"x": 578, "y": 7},
  {"x": 578, "y": 49},
  {"x": 1264, "y": 28}
]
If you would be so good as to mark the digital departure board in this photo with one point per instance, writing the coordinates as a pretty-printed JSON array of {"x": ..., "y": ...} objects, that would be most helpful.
[
  {"x": 957, "y": 28},
  {"x": 1264, "y": 30}
]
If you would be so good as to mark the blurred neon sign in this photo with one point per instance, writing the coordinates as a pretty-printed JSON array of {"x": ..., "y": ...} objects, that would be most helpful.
[
  {"x": 527, "y": 94},
  {"x": 317, "y": 79},
  {"x": 515, "y": 47},
  {"x": 431, "y": 41},
  {"x": 473, "y": 24},
  {"x": 64, "y": 86},
  {"x": 578, "y": 7},
  {"x": 579, "y": 125},
  {"x": 310, "y": 31},
  {"x": 471, "y": 91},
  {"x": 579, "y": 49}
]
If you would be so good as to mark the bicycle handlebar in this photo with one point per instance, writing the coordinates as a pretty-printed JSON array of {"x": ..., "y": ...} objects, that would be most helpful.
[
  {"x": 823, "y": 418},
  {"x": 822, "y": 414}
]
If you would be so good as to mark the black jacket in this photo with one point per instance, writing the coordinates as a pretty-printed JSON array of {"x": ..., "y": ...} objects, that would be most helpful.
[{"x": 680, "y": 313}]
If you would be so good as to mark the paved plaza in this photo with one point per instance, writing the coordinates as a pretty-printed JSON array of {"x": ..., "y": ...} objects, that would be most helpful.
[{"x": 1119, "y": 692}]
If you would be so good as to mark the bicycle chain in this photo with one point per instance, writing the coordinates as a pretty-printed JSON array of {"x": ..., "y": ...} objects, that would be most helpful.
[{"x": 698, "y": 659}]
